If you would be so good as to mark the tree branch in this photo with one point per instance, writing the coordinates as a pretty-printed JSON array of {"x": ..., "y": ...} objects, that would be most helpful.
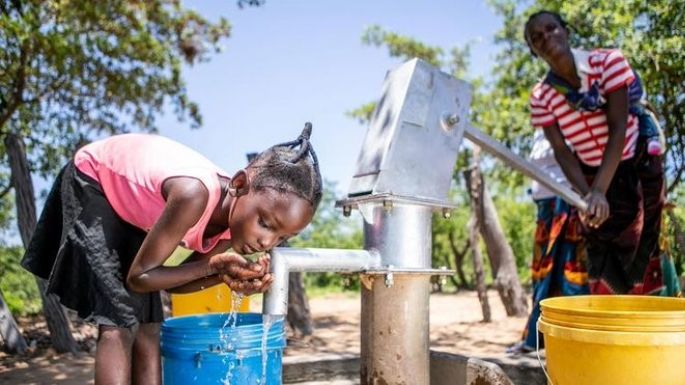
[
  {"x": 18, "y": 87},
  {"x": 53, "y": 87},
  {"x": 675, "y": 180},
  {"x": 5, "y": 190}
]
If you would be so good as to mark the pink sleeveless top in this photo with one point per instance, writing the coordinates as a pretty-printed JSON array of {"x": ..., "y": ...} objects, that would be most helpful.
[{"x": 131, "y": 168}]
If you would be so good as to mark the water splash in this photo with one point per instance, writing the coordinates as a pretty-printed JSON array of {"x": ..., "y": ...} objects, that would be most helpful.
[
  {"x": 229, "y": 374},
  {"x": 227, "y": 335},
  {"x": 267, "y": 321},
  {"x": 236, "y": 302}
]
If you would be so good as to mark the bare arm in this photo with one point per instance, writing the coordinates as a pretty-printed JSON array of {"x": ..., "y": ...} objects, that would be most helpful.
[
  {"x": 566, "y": 159},
  {"x": 595, "y": 195},
  {"x": 617, "y": 117},
  {"x": 197, "y": 285},
  {"x": 227, "y": 264},
  {"x": 238, "y": 273},
  {"x": 185, "y": 203},
  {"x": 203, "y": 282},
  {"x": 186, "y": 200}
]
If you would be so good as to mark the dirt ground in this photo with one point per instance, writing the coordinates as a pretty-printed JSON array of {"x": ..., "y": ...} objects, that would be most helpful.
[{"x": 455, "y": 320}]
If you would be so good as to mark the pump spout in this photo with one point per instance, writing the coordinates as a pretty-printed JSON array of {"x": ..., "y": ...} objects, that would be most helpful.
[{"x": 286, "y": 259}]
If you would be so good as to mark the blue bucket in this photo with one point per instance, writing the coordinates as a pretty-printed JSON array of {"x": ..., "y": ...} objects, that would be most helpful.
[{"x": 200, "y": 350}]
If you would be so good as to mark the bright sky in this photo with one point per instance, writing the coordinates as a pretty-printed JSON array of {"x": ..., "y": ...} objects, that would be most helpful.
[{"x": 290, "y": 61}]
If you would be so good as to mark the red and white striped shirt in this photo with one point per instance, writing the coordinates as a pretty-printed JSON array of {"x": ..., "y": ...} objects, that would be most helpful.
[{"x": 587, "y": 131}]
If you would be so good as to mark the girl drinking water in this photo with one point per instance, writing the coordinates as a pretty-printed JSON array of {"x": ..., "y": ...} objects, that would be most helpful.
[{"x": 118, "y": 210}]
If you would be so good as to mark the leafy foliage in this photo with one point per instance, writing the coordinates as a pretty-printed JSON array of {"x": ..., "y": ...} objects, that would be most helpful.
[
  {"x": 450, "y": 233},
  {"x": 17, "y": 285},
  {"x": 673, "y": 236},
  {"x": 73, "y": 69},
  {"x": 518, "y": 222},
  {"x": 402, "y": 46}
]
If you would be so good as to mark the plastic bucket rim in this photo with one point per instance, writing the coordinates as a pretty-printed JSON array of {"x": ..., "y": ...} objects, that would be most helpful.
[
  {"x": 614, "y": 327},
  {"x": 178, "y": 321},
  {"x": 186, "y": 333},
  {"x": 548, "y": 305},
  {"x": 617, "y": 338}
]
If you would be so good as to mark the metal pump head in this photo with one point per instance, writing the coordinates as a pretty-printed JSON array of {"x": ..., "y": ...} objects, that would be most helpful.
[{"x": 414, "y": 134}]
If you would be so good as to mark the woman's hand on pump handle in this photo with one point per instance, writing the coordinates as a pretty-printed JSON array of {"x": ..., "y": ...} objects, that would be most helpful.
[
  {"x": 597, "y": 209},
  {"x": 242, "y": 275}
]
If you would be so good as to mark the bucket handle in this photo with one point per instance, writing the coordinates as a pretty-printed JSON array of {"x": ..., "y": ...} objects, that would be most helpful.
[{"x": 537, "y": 352}]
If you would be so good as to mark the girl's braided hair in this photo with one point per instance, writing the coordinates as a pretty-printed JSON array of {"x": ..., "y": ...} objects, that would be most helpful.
[{"x": 289, "y": 168}]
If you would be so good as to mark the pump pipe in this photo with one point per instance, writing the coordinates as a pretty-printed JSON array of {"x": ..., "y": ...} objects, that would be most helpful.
[{"x": 287, "y": 259}]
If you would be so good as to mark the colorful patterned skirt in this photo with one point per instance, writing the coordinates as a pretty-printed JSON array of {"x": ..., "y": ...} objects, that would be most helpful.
[{"x": 559, "y": 259}]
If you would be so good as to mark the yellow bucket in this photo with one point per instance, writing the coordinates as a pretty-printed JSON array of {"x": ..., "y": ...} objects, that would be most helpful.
[
  {"x": 622, "y": 340},
  {"x": 215, "y": 299}
]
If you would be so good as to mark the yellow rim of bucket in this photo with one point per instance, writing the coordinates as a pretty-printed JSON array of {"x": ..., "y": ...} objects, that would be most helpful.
[
  {"x": 618, "y": 312},
  {"x": 649, "y": 306},
  {"x": 591, "y": 323},
  {"x": 612, "y": 337}
]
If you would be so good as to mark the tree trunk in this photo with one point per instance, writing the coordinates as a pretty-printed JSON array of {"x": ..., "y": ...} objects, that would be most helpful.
[
  {"x": 459, "y": 260},
  {"x": 299, "y": 316},
  {"x": 55, "y": 317},
  {"x": 502, "y": 261},
  {"x": 455, "y": 282},
  {"x": 677, "y": 230},
  {"x": 500, "y": 254},
  {"x": 478, "y": 272},
  {"x": 14, "y": 341}
]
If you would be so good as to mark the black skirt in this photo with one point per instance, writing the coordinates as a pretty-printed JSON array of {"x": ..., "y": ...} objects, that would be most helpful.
[{"x": 84, "y": 250}]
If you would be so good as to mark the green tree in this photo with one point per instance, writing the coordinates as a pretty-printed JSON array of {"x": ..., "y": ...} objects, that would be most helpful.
[
  {"x": 18, "y": 291},
  {"x": 17, "y": 285},
  {"x": 72, "y": 70},
  {"x": 518, "y": 217},
  {"x": 450, "y": 241}
]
